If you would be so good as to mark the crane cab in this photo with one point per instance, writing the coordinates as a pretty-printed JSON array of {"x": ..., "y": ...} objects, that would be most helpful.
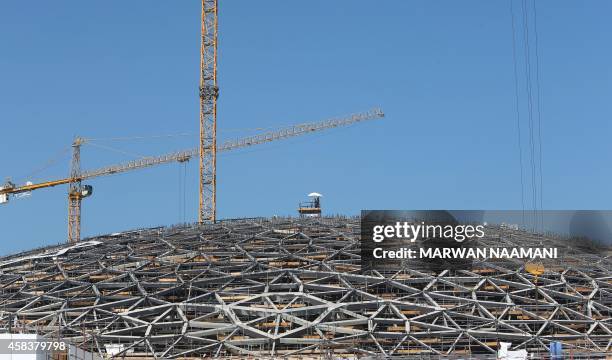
[
  {"x": 86, "y": 191},
  {"x": 81, "y": 192}
]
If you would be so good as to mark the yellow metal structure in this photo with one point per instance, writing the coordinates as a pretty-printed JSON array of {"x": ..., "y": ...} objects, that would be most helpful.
[
  {"x": 535, "y": 268},
  {"x": 209, "y": 92},
  {"x": 78, "y": 191},
  {"x": 75, "y": 191}
]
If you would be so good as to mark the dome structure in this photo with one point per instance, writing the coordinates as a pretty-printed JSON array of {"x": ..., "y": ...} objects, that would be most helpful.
[{"x": 293, "y": 288}]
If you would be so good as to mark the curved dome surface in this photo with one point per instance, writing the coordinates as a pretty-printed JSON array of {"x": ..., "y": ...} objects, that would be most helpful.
[{"x": 293, "y": 287}]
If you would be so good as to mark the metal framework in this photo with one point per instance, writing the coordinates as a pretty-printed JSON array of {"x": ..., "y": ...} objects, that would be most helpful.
[
  {"x": 185, "y": 155},
  {"x": 209, "y": 92},
  {"x": 282, "y": 288},
  {"x": 75, "y": 193},
  {"x": 292, "y": 131}
]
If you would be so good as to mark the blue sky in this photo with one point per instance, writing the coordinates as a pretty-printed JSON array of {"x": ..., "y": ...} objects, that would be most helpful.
[{"x": 441, "y": 70}]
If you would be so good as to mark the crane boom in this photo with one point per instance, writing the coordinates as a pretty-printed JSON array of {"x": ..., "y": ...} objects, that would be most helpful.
[
  {"x": 182, "y": 156},
  {"x": 301, "y": 129}
]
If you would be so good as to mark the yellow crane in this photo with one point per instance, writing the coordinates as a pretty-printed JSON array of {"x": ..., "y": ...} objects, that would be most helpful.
[
  {"x": 209, "y": 92},
  {"x": 77, "y": 191}
]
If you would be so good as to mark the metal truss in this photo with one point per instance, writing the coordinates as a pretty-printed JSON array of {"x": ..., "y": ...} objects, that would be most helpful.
[
  {"x": 209, "y": 92},
  {"x": 292, "y": 288}
]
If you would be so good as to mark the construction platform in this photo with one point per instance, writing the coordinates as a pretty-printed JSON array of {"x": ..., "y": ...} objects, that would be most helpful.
[{"x": 293, "y": 288}]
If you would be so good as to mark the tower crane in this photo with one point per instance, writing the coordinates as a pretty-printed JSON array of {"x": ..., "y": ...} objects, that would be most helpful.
[
  {"x": 209, "y": 92},
  {"x": 77, "y": 191}
]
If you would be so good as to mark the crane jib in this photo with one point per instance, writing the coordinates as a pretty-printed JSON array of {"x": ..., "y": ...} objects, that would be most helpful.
[{"x": 182, "y": 156}]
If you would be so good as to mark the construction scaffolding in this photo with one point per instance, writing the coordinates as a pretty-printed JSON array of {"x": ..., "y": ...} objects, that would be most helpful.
[{"x": 293, "y": 288}]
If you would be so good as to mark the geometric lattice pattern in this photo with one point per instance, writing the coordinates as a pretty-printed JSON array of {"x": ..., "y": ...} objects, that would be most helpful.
[{"x": 273, "y": 288}]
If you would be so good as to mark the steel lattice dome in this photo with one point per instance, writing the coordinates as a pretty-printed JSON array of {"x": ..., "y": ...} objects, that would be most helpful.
[{"x": 293, "y": 288}]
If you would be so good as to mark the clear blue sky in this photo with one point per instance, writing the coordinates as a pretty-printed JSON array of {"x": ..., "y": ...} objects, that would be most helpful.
[{"x": 441, "y": 70}]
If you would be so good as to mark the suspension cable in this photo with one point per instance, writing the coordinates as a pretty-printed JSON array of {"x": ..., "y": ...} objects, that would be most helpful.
[
  {"x": 143, "y": 137},
  {"x": 517, "y": 108},
  {"x": 528, "y": 85},
  {"x": 47, "y": 164},
  {"x": 110, "y": 148},
  {"x": 537, "y": 58}
]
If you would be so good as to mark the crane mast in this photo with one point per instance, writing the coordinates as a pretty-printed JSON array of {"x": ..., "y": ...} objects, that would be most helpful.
[
  {"x": 209, "y": 92},
  {"x": 74, "y": 194}
]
